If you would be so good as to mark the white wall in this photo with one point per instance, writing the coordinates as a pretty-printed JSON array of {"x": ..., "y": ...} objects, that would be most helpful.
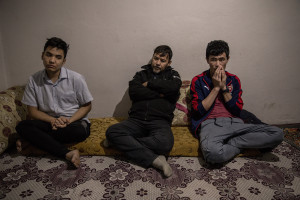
[
  {"x": 109, "y": 40},
  {"x": 3, "y": 77}
]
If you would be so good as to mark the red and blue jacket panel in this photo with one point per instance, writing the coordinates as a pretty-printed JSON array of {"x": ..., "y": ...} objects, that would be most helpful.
[{"x": 201, "y": 86}]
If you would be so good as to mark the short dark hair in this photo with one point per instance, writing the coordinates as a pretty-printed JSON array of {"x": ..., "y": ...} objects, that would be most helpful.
[
  {"x": 163, "y": 50},
  {"x": 58, "y": 43},
  {"x": 217, "y": 47}
]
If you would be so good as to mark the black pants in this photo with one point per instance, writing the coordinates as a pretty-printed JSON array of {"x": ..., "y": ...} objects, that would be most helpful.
[
  {"x": 41, "y": 135},
  {"x": 141, "y": 141}
]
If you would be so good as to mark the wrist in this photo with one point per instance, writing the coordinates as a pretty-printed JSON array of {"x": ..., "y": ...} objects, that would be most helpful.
[
  {"x": 217, "y": 89},
  {"x": 225, "y": 90},
  {"x": 52, "y": 119}
]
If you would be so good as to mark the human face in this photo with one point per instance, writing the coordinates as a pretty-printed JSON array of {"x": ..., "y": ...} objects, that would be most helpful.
[
  {"x": 159, "y": 63},
  {"x": 53, "y": 60},
  {"x": 217, "y": 61}
]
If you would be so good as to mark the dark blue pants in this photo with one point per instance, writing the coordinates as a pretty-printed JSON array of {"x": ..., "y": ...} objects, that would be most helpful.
[
  {"x": 141, "y": 141},
  {"x": 41, "y": 135}
]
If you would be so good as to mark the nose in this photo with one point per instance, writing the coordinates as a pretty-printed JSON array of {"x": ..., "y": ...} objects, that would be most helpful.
[
  {"x": 52, "y": 59},
  {"x": 158, "y": 62}
]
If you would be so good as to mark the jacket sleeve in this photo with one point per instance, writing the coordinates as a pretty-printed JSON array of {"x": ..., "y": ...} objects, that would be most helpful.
[
  {"x": 169, "y": 87},
  {"x": 138, "y": 92},
  {"x": 235, "y": 104},
  {"x": 197, "y": 96}
]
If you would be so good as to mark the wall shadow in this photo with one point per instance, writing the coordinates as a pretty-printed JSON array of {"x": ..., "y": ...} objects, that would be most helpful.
[{"x": 123, "y": 106}]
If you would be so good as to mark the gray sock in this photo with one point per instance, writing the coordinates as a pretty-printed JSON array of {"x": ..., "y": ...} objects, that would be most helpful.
[
  {"x": 106, "y": 143},
  {"x": 161, "y": 163}
]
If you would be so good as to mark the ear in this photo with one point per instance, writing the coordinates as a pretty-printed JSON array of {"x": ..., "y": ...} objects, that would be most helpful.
[
  {"x": 170, "y": 62},
  {"x": 64, "y": 61},
  {"x": 228, "y": 57},
  {"x": 42, "y": 55}
]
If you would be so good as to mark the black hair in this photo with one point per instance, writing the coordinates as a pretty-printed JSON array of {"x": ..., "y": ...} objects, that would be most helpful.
[
  {"x": 163, "y": 50},
  {"x": 217, "y": 47},
  {"x": 58, "y": 43}
]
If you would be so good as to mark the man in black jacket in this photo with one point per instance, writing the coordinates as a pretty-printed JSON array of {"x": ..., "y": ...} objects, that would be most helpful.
[{"x": 146, "y": 136}]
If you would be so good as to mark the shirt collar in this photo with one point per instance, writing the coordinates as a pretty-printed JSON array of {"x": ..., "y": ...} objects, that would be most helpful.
[
  {"x": 149, "y": 67},
  {"x": 63, "y": 74}
]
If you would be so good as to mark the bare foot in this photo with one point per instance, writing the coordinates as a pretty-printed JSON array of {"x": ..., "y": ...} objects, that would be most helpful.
[
  {"x": 21, "y": 144},
  {"x": 74, "y": 157}
]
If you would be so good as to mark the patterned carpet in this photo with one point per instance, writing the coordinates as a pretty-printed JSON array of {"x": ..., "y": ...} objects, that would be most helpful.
[
  {"x": 292, "y": 136},
  {"x": 274, "y": 175}
]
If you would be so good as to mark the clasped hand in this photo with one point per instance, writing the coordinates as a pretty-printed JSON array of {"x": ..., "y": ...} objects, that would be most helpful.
[
  {"x": 219, "y": 78},
  {"x": 60, "y": 122}
]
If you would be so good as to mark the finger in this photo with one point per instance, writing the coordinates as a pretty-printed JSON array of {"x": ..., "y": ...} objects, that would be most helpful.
[
  {"x": 224, "y": 75},
  {"x": 63, "y": 126},
  {"x": 52, "y": 122},
  {"x": 67, "y": 121},
  {"x": 60, "y": 121},
  {"x": 216, "y": 74},
  {"x": 57, "y": 122},
  {"x": 217, "y": 70},
  {"x": 219, "y": 75}
]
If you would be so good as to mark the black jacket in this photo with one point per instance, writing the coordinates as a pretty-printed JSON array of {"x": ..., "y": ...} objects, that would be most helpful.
[{"x": 158, "y": 99}]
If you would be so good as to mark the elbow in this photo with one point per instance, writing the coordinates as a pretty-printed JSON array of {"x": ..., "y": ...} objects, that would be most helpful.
[
  {"x": 87, "y": 106},
  {"x": 90, "y": 107},
  {"x": 31, "y": 111}
]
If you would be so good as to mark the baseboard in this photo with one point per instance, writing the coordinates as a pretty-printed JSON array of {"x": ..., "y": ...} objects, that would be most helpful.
[{"x": 294, "y": 125}]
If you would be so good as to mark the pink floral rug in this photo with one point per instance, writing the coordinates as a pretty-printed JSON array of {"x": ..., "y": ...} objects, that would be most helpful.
[{"x": 274, "y": 175}]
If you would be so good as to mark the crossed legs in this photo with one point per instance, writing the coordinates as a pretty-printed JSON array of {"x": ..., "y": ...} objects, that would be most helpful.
[
  {"x": 223, "y": 138},
  {"x": 145, "y": 142},
  {"x": 41, "y": 135}
]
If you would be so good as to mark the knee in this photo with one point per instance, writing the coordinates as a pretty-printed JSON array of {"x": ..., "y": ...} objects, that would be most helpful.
[
  {"x": 164, "y": 147},
  {"x": 22, "y": 126},
  {"x": 164, "y": 144},
  {"x": 80, "y": 134},
  {"x": 214, "y": 156},
  {"x": 112, "y": 131},
  {"x": 278, "y": 136},
  {"x": 22, "y": 123}
]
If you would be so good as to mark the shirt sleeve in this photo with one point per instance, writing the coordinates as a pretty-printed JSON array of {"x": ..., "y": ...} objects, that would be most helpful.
[
  {"x": 197, "y": 96},
  {"x": 235, "y": 104},
  {"x": 169, "y": 86},
  {"x": 82, "y": 91},
  {"x": 138, "y": 92},
  {"x": 29, "y": 96}
]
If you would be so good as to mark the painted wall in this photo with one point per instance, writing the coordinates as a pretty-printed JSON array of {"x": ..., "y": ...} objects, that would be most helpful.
[
  {"x": 3, "y": 78},
  {"x": 110, "y": 40}
]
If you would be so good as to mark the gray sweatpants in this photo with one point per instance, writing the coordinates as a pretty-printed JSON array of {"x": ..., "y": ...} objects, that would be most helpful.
[{"x": 223, "y": 138}]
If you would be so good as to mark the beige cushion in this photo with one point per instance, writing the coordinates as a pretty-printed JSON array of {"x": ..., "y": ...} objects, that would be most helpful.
[
  {"x": 183, "y": 106},
  {"x": 12, "y": 111}
]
